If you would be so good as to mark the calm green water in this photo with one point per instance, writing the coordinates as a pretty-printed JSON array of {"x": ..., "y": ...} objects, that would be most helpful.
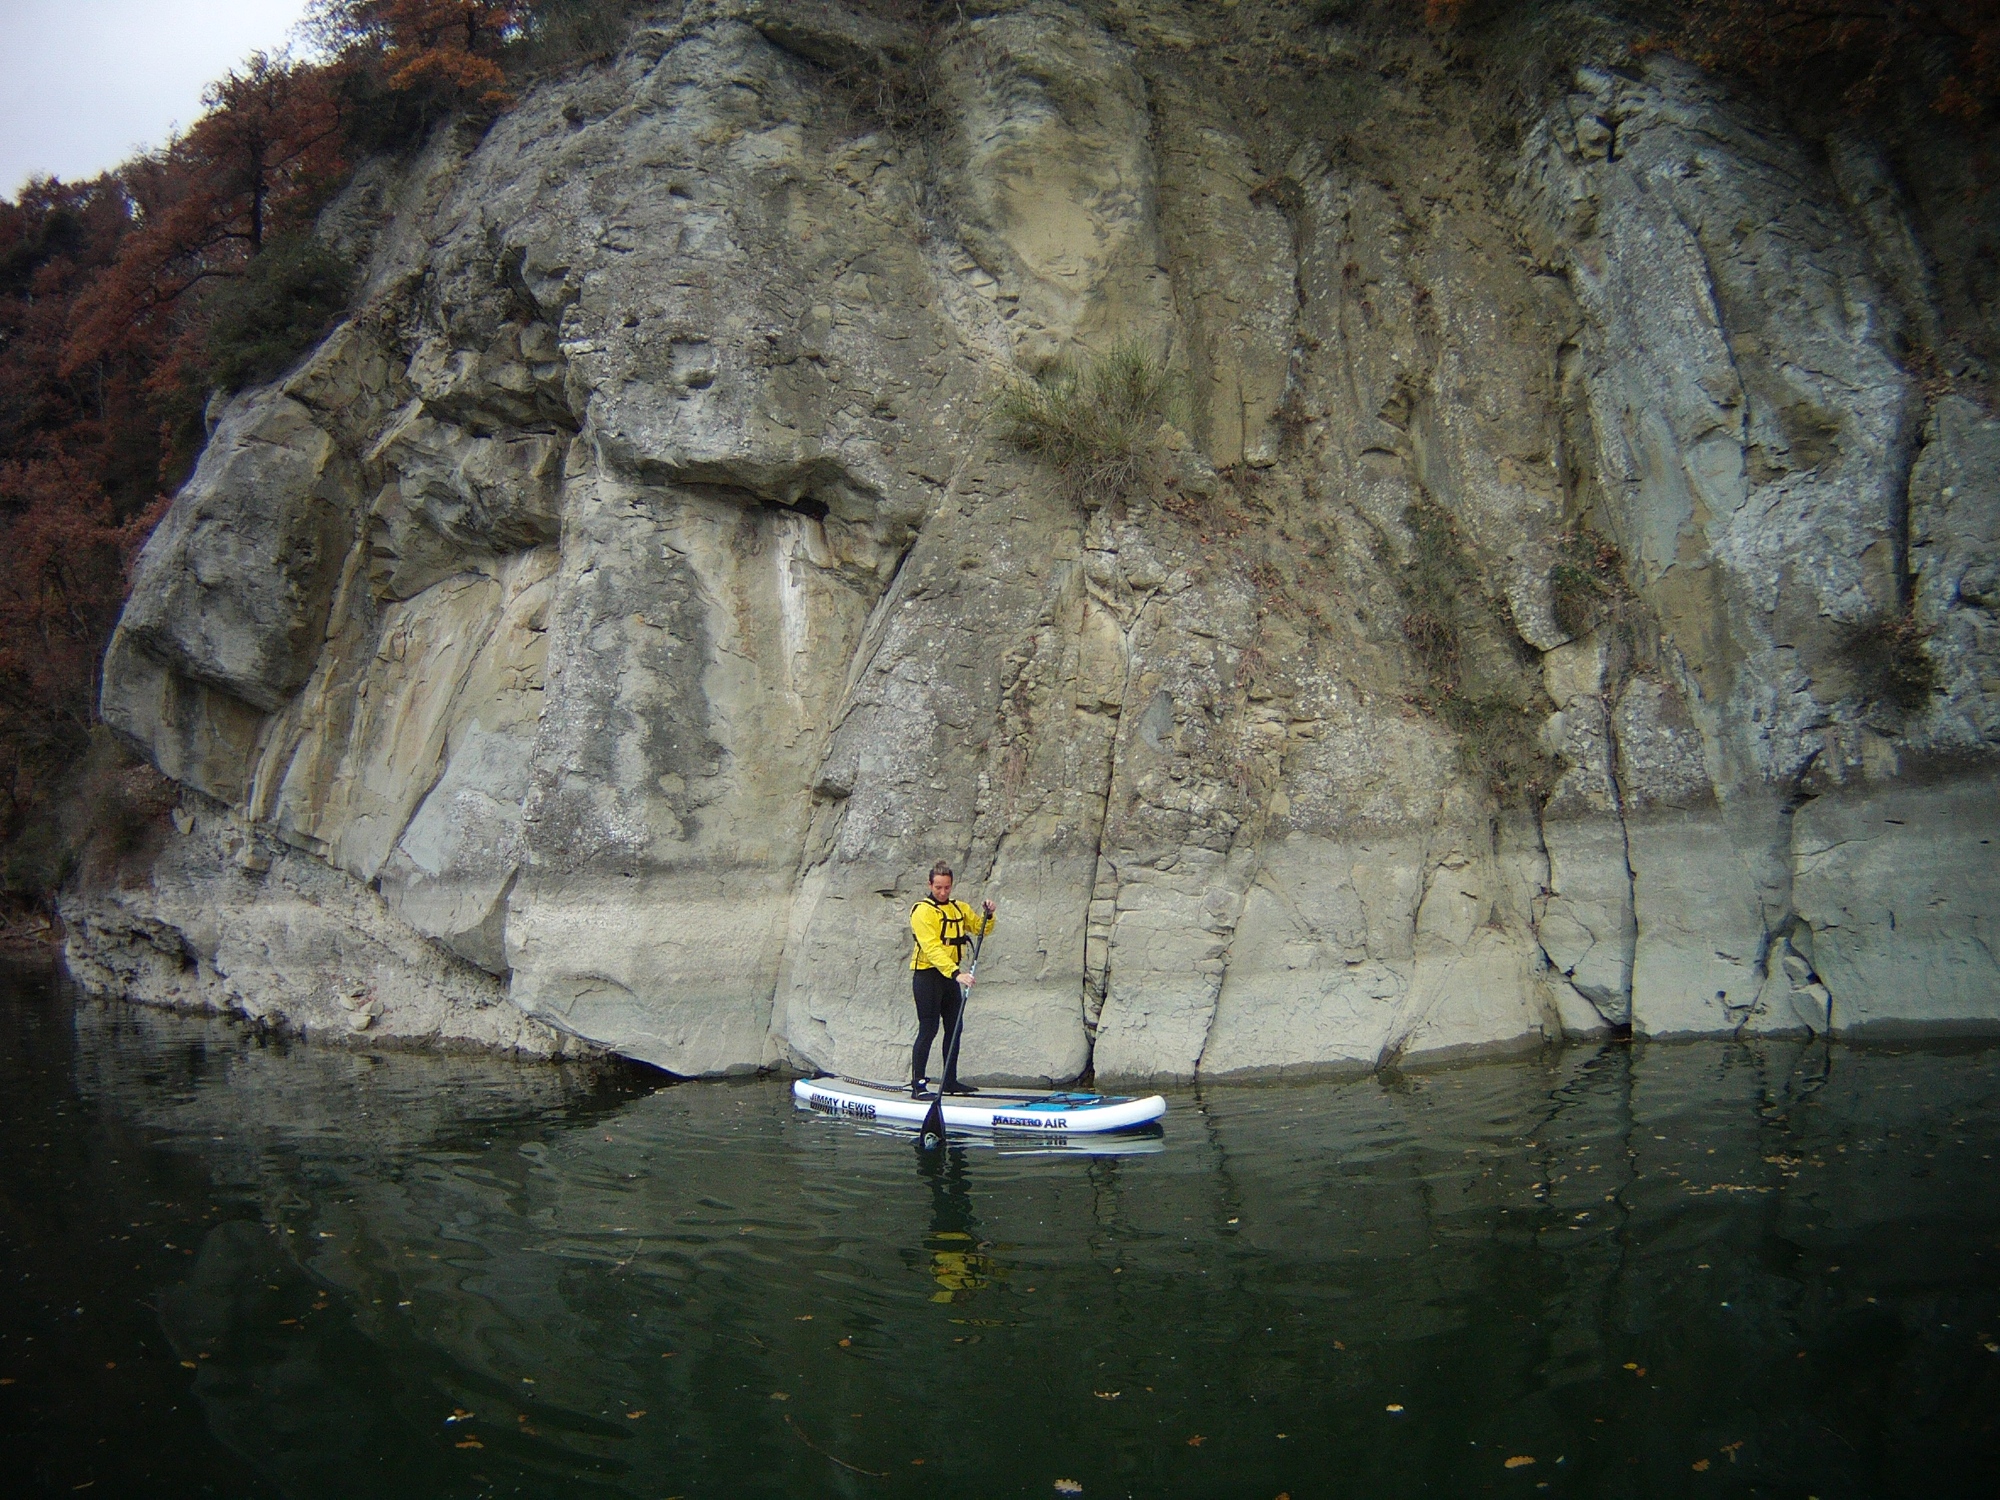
[{"x": 239, "y": 1268}]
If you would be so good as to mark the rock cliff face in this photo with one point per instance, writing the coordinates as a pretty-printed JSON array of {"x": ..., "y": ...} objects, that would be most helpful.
[{"x": 1557, "y": 607}]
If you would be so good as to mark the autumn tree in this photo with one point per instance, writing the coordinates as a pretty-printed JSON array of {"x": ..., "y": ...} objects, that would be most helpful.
[
  {"x": 53, "y": 241},
  {"x": 266, "y": 152},
  {"x": 104, "y": 363},
  {"x": 125, "y": 301},
  {"x": 1859, "y": 52},
  {"x": 447, "y": 51}
]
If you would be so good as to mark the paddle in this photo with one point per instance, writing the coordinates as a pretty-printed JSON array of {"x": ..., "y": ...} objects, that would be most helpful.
[{"x": 932, "y": 1135}]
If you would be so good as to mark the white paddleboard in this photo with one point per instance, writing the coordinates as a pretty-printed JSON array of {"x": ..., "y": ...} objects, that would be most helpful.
[{"x": 1053, "y": 1114}]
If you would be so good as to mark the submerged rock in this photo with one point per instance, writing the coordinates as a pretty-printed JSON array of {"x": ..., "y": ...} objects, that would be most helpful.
[{"x": 598, "y": 636}]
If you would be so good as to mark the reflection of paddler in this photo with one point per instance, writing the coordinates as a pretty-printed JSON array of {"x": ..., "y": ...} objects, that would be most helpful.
[
  {"x": 958, "y": 1262},
  {"x": 957, "y": 1265}
]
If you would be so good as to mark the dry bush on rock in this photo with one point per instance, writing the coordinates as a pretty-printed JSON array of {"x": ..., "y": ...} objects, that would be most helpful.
[
  {"x": 1888, "y": 668},
  {"x": 1094, "y": 423}
]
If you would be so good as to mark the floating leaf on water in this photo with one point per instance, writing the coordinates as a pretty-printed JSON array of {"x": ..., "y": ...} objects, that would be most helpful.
[
  {"x": 1068, "y": 1487},
  {"x": 1196, "y": 1441},
  {"x": 781, "y": 1395},
  {"x": 807, "y": 1318},
  {"x": 847, "y": 1343},
  {"x": 1518, "y": 1461},
  {"x": 469, "y": 1443},
  {"x": 1107, "y": 1395},
  {"x": 633, "y": 1416},
  {"x": 186, "y": 1364},
  {"x": 1701, "y": 1466},
  {"x": 1630, "y": 1365},
  {"x": 1393, "y": 1406},
  {"x": 1338, "y": 1345}
]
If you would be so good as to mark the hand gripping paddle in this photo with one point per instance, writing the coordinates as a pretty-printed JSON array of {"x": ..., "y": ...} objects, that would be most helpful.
[{"x": 932, "y": 1135}]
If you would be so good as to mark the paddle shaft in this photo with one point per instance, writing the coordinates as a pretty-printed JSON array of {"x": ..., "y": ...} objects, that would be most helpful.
[
  {"x": 964, "y": 999},
  {"x": 932, "y": 1133}
]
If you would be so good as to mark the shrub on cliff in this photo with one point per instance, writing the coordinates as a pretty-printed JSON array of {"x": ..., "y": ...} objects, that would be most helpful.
[
  {"x": 1094, "y": 423},
  {"x": 278, "y": 309},
  {"x": 1860, "y": 53},
  {"x": 109, "y": 811},
  {"x": 1498, "y": 735},
  {"x": 1587, "y": 584},
  {"x": 1887, "y": 667}
]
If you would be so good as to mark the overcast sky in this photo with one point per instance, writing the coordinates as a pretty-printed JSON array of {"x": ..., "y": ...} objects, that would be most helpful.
[{"x": 86, "y": 83}]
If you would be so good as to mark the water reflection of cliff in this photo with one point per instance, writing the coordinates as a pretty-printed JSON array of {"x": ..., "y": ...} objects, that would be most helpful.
[{"x": 622, "y": 1285}]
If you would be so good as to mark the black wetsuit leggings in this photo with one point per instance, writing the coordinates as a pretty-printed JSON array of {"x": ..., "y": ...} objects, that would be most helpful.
[{"x": 939, "y": 1001}]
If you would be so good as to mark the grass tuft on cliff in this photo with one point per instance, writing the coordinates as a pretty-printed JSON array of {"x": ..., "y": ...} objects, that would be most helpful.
[
  {"x": 1093, "y": 422},
  {"x": 1587, "y": 583},
  {"x": 1498, "y": 736}
]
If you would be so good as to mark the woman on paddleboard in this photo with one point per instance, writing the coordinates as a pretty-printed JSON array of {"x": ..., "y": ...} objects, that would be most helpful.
[{"x": 942, "y": 927}]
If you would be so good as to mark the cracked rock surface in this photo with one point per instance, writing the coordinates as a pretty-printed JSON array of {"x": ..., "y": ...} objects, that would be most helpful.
[{"x": 596, "y": 638}]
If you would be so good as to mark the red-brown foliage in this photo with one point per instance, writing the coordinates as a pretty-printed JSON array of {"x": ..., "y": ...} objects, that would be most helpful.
[
  {"x": 448, "y": 49},
  {"x": 1858, "y": 52},
  {"x": 101, "y": 354},
  {"x": 66, "y": 552},
  {"x": 106, "y": 350},
  {"x": 264, "y": 155}
]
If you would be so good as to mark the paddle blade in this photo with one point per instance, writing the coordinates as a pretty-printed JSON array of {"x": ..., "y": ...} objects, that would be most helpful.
[{"x": 931, "y": 1136}]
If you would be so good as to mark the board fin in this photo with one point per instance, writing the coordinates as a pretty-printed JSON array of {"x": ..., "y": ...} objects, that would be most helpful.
[{"x": 931, "y": 1136}]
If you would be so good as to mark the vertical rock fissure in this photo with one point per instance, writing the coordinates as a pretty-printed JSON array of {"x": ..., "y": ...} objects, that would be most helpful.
[
  {"x": 1103, "y": 906},
  {"x": 1788, "y": 942},
  {"x": 1227, "y": 935},
  {"x": 1101, "y": 914},
  {"x": 1614, "y": 780},
  {"x": 1536, "y": 812},
  {"x": 1909, "y": 445}
]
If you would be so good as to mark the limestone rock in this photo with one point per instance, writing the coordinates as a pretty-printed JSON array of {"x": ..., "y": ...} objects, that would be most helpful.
[
  {"x": 1053, "y": 180},
  {"x": 1955, "y": 557},
  {"x": 1752, "y": 426},
  {"x": 1900, "y": 886},
  {"x": 292, "y": 946},
  {"x": 233, "y": 588},
  {"x": 595, "y": 641}
]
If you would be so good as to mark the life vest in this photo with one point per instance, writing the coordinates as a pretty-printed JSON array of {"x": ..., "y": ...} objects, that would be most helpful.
[{"x": 953, "y": 917}]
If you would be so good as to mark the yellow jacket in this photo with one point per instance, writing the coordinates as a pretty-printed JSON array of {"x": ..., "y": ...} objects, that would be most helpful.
[{"x": 942, "y": 932}]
